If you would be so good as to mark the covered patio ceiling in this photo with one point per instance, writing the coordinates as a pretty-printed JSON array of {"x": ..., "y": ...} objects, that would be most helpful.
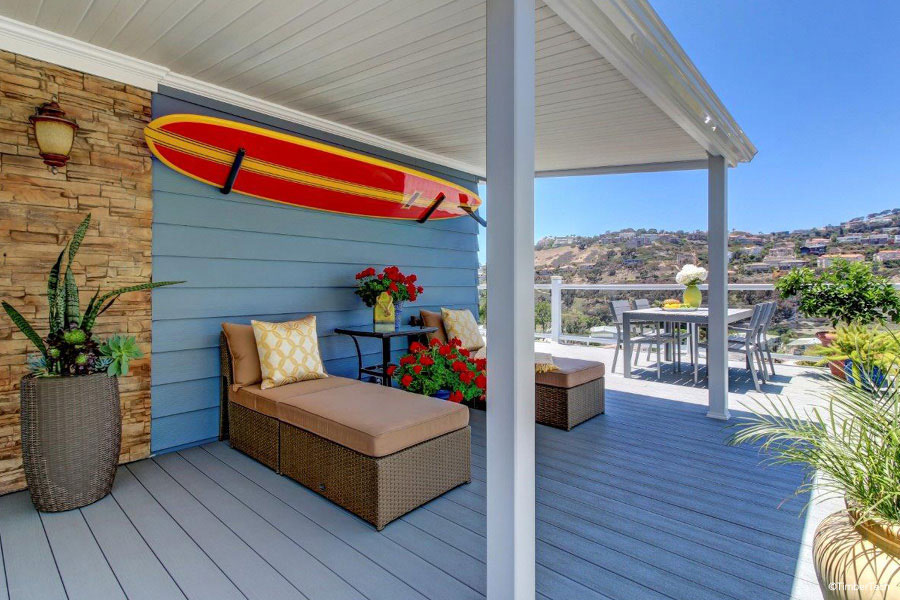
[{"x": 614, "y": 90}]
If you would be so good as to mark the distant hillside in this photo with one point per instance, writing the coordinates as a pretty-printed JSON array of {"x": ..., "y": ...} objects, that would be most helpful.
[{"x": 654, "y": 256}]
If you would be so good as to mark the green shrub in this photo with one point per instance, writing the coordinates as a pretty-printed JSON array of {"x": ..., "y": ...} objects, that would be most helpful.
[{"x": 843, "y": 293}]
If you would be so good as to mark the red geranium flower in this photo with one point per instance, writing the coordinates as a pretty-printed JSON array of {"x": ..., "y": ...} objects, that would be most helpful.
[
  {"x": 446, "y": 349},
  {"x": 434, "y": 342},
  {"x": 456, "y": 397},
  {"x": 464, "y": 351},
  {"x": 460, "y": 366},
  {"x": 417, "y": 369},
  {"x": 393, "y": 287},
  {"x": 408, "y": 359},
  {"x": 391, "y": 369},
  {"x": 406, "y": 380},
  {"x": 426, "y": 360},
  {"x": 416, "y": 347},
  {"x": 481, "y": 363},
  {"x": 420, "y": 289},
  {"x": 456, "y": 342},
  {"x": 412, "y": 278},
  {"x": 481, "y": 382},
  {"x": 411, "y": 290},
  {"x": 466, "y": 376}
]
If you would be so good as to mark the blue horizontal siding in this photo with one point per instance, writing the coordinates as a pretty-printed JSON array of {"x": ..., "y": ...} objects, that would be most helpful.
[{"x": 245, "y": 258}]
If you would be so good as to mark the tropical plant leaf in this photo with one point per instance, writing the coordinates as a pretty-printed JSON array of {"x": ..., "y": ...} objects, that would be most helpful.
[
  {"x": 25, "y": 327},
  {"x": 53, "y": 290},
  {"x": 73, "y": 308},
  {"x": 99, "y": 307},
  {"x": 89, "y": 308},
  {"x": 77, "y": 238}
]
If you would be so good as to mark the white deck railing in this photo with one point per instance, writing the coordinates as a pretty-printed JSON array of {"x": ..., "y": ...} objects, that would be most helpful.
[{"x": 556, "y": 287}]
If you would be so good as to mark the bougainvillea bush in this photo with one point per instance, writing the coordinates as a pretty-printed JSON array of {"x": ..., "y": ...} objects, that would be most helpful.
[
  {"x": 428, "y": 369},
  {"x": 402, "y": 288}
]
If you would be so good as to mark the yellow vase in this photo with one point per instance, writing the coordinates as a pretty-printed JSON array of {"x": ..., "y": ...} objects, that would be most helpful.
[{"x": 692, "y": 296}]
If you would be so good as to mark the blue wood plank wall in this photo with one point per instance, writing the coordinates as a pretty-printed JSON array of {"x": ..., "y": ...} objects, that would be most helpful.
[{"x": 250, "y": 259}]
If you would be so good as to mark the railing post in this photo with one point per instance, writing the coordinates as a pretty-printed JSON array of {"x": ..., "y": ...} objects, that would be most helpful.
[{"x": 555, "y": 307}]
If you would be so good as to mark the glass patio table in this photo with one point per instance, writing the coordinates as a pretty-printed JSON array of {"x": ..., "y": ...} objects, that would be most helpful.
[{"x": 693, "y": 318}]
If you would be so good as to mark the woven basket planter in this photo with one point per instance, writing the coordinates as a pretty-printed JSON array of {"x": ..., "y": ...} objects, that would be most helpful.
[{"x": 71, "y": 436}]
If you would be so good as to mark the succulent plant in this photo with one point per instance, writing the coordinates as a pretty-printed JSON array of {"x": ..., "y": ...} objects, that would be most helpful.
[{"x": 69, "y": 349}]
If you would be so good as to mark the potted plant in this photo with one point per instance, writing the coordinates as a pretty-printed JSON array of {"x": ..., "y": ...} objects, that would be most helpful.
[
  {"x": 856, "y": 345},
  {"x": 445, "y": 371},
  {"x": 691, "y": 276},
  {"x": 843, "y": 293},
  {"x": 401, "y": 288},
  {"x": 853, "y": 443},
  {"x": 70, "y": 415}
]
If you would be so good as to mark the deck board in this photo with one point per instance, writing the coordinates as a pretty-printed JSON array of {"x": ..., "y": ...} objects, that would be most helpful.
[
  {"x": 82, "y": 565},
  {"x": 137, "y": 568},
  {"x": 645, "y": 502},
  {"x": 31, "y": 572}
]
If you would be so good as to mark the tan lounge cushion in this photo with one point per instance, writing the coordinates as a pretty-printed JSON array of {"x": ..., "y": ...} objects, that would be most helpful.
[
  {"x": 372, "y": 419},
  {"x": 434, "y": 319},
  {"x": 244, "y": 356},
  {"x": 571, "y": 372},
  {"x": 266, "y": 401}
]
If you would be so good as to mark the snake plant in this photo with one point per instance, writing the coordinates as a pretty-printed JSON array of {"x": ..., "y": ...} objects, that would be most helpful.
[{"x": 69, "y": 349}]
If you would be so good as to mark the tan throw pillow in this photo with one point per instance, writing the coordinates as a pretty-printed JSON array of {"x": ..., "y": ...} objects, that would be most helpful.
[
  {"x": 244, "y": 357},
  {"x": 434, "y": 319},
  {"x": 461, "y": 324},
  {"x": 543, "y": 363},
  {"x": 288, "y": 352}
]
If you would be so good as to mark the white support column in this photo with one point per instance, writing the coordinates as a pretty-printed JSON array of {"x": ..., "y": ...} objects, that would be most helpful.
[
  {"x": 717, "y": 334},
  {"x": 510, "y": 324},
  {"x": 555, "y": 307}
]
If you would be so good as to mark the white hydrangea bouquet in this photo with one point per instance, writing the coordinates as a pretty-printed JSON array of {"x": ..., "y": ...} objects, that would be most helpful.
[{"x": 691, "y": 275}]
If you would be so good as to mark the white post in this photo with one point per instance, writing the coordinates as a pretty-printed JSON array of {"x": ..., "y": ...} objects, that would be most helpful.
[
  {"x": 717, "y": 334},
  {"x": 510, "y": 324},
  {"x": 555, "y": 307}
]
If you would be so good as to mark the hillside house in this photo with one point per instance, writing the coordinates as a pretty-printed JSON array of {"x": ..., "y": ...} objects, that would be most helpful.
[{"x": 829, "y": 259}]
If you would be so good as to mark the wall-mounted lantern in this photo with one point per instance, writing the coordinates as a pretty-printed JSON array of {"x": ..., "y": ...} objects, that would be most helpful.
[{"x": 54, "y": 133}]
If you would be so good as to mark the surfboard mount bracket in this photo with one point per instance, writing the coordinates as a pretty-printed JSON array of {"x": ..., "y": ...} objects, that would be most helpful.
[
  {"x": 430, "y": 210},
  {"x": 232, "y": 174},
  {"x": 468, "y": 210}
]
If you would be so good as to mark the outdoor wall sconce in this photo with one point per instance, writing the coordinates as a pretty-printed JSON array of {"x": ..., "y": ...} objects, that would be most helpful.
[{"x": 54, "y": 133}]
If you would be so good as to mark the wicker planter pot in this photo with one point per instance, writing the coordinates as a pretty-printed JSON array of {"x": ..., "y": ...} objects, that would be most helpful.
[
  {"x": 71, "y": 436},
  {"x": 859, "y": 562}
]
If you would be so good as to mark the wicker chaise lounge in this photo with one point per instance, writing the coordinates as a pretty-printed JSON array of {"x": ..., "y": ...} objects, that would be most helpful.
[{"x": 378, "y": 452}]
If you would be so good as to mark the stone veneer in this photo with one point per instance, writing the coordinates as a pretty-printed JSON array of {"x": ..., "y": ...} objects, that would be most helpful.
[{"x": 109, "y": 176}]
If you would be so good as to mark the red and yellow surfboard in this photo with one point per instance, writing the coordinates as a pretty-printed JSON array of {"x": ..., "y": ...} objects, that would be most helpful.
[{"x": 292, "y": 170}]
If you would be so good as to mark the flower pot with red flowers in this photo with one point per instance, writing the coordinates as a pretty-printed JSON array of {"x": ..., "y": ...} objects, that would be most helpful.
[
  {"x": 441, "y": 370},
  {"x": 370, "y": 284}
]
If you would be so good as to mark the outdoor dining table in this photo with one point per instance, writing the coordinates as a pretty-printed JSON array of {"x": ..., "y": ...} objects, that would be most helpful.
[{"x": 693, "y": 318}]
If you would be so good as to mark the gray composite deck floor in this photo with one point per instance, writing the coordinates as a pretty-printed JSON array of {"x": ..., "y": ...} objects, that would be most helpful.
[{"x": 644, "y": 502}]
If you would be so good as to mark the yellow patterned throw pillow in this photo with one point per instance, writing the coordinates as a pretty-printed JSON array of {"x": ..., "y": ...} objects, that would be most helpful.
[
  {"x": 288, "y": 352},
  {"x": 461, "y": 324}
]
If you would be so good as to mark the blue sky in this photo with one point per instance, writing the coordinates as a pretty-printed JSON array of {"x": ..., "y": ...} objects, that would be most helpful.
[{"x": 815, "y": 85}]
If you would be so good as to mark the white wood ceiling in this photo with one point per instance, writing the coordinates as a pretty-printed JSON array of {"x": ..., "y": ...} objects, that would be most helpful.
[{"x": 412, "y": 72}]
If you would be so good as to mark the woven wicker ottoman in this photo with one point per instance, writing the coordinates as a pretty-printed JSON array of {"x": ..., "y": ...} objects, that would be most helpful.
[
  {"x": 378, "y": 452},
  {"x": 571, "y": 395}
]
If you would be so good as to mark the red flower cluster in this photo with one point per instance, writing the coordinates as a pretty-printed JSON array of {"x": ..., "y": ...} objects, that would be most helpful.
[
  {"x": 439, "y": 366},
  {"x": 402, "y": 288}
]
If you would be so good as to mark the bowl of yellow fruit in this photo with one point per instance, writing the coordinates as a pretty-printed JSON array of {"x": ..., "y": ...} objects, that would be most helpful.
[{"x": 673, "y": 304}]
